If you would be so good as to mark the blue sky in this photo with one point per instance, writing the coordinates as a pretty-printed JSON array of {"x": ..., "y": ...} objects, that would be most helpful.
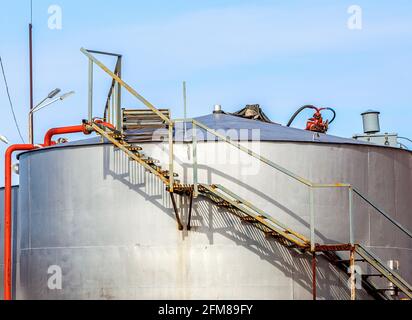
[{"x": 280, "y": 54}]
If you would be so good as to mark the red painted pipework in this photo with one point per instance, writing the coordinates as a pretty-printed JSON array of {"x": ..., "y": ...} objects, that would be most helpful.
[
  {"x": 106, "y": 124},
  {"x": 63, "y": 130},
  {"x": 71, "y": 129},
  {"x": 8, "y": 217}
]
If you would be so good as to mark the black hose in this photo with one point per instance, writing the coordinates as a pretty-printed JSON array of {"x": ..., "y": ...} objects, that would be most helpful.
[
  {"x": 299, "y": 111},
  {"x": 334, "y": 114},
  {"x": 310, "y": 107}
]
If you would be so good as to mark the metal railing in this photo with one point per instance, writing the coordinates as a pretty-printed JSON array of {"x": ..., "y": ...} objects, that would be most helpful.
[
  {"x": 113, "y": 102},
  {"x": 311, "y": 185},
  {"x": 118, "y": 83}
]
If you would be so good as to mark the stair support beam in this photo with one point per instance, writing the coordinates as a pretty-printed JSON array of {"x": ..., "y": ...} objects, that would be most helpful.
[
  {"x": 176, "y": 210},
  {"x": 190, "y": 211},
  {"x": 314, "y": 275}
]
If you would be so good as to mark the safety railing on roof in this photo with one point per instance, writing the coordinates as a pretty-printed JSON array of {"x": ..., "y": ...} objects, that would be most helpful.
[{"x": 311, "y": 185}]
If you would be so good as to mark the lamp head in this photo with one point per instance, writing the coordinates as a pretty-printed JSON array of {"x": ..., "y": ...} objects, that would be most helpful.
[
  {"x": 4, "y": 139},
  {"x": 66, "y": 95},
  {"x": 53, "y": 93}
]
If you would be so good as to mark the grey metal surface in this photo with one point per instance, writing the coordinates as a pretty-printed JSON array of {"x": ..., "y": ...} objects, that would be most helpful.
[
  {"x": 15, "y": 192},
  {"x": 385, "y": 139},
  {"x": 112, "y": 230}
]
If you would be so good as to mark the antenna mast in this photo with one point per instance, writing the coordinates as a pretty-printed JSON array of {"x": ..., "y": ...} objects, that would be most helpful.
[{"x": 31, "y": 71}]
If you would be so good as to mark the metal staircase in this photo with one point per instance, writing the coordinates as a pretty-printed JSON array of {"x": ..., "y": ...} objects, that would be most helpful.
[{"x": 126, "y": 140}]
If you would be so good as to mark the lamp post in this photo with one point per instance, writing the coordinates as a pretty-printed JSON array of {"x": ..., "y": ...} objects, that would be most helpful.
[{"x": 42, "y": 105}]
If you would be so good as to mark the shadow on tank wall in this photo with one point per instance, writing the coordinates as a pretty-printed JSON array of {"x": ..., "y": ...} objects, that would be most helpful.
[{"x": 209, "y": 220}]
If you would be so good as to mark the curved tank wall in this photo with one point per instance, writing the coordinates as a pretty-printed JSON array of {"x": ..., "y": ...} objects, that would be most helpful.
[
  {"x": 15, "y": 190},
  {"x": 110, "y": 228}
]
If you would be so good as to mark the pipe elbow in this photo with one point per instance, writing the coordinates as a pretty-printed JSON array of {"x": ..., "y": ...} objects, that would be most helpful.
[{"x": 63, "y": 130}]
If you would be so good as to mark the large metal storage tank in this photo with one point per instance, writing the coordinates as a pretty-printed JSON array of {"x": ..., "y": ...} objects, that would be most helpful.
[{"x": 110, "y": 227}]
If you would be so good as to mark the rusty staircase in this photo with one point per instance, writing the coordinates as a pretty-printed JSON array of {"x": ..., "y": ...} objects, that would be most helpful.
[
  {"x": 248, "y": 213},
  {"x": 154, "y": 118}
]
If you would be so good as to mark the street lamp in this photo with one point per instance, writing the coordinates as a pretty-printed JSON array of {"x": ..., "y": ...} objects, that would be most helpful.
[
  {"x": 4, "y": 139},
  {"x": 42, "y": 105}
]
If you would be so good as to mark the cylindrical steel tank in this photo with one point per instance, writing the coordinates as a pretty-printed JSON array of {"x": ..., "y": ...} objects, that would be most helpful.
[{"x": 88, "y": 211}]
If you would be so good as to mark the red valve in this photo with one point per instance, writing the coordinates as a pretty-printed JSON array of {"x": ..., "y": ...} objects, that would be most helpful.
[{"x": 316, "y": 123}]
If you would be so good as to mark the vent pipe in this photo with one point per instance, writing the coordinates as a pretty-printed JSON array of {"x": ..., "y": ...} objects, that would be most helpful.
[
  {"x": 371, "y": 122},
  {"x": 217, "y": 108}
]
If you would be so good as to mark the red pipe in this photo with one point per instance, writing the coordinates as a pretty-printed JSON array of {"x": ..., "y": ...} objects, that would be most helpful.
[
  {"x": 106, "y": 124},
  {"x": 71, "y": 129},
  {"x": 55, "y": 131},
  {"x": 8, "y": 217}
]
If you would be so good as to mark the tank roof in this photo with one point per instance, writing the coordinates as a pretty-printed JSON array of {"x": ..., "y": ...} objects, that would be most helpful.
[{"x": 238, "y": 129}]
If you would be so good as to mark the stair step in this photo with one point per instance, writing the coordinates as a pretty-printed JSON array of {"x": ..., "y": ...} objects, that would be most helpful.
[
  {"x": 151, "y": 160},
  {"x": 135, "y": 126},
  {"x": 144, "y": 112},
  {"x": 117, "y": 135},
  {"x": 167, "y": 175},
  {"x": 347, "y": 260},
  {"x": 223, "y": 204},
  {"x": 134, "y": 148},
  {"x": 249, "y": 219}
]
